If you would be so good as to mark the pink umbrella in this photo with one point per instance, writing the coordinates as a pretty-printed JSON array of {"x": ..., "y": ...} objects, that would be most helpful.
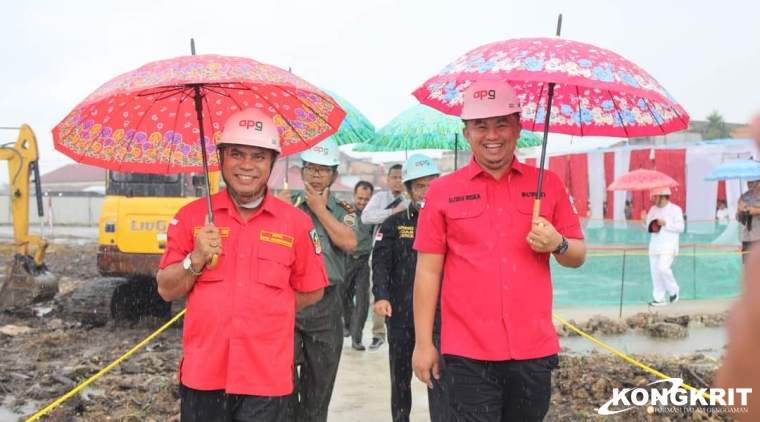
[
  {"x": 642, "y": 180},
  {"x": 564, "y": 87},
  {"x": 594, "y": 92},
  {"x": 154, "y": 119},
  {"x": 166, "y": 116}
]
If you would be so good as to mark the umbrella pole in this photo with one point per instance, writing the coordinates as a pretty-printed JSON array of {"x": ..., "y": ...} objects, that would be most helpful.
[
  {"x": 204, "y": 157},
  {"x": 199, "y": 114},
  {"x": 537, "y": 204}
]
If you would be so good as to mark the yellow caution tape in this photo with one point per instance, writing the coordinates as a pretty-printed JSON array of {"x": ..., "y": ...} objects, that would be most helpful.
[
  {"x": 624, "y": 357},
  {"x": 179, "y": 315},
  {"x": 105, "y": 370}
]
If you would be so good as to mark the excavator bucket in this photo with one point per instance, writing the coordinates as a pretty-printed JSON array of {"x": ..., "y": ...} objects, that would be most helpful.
[{"x": 26, "y": 283}]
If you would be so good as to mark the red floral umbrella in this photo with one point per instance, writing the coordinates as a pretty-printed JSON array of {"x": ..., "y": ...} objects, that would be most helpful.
[
  {"x": 642, "y": 180},
  {"x": 159, "y": 117},
  {"x": 154, "y": 119},
  {"x": 564, "y": 87}
]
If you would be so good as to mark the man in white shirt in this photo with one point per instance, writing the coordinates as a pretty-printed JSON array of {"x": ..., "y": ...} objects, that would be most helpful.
[
  {"x": 382, "y": 205},
  {"x": 665, "y": 222}
]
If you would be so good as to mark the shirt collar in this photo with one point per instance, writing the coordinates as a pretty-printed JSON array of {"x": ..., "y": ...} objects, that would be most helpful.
[
  {"x": 473, "y": 169},
  {"x": 223, "y": 200}
]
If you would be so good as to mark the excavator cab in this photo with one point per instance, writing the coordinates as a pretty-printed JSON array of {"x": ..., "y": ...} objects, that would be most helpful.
[{"x": 27, "y": 279}]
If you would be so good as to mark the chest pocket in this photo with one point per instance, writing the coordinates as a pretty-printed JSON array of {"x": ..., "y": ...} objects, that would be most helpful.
[
  {"x": 526, "y": 205},
  {"x": 274, "y": 265},
  {"x": 467, "y": 221}
]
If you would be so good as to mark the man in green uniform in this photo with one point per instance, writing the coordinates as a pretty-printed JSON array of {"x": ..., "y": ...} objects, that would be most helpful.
[{"x": 319, "y": 327}]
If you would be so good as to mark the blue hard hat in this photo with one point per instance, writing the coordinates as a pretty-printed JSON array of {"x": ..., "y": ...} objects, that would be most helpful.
[{"x": 418, "y": 166}]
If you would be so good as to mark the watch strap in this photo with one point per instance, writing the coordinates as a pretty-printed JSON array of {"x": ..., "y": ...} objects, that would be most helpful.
[
  {"x": 190, "y": 267},
  {"x": 562, "y": 246}
]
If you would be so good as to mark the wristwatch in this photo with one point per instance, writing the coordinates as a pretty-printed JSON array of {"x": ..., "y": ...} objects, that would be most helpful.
[
  {"x": 187, "y": 264},
  {"x": 562, "y": 247}
]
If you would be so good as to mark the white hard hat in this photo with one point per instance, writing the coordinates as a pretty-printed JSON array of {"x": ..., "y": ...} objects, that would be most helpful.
[
  {"x": 418, "y": 166},
  {"x": 659, "y": 191},
  {"x": 325, "y": 153},
  {"x": 251, "y": 127},
  {"x": 489, "y": 98}
]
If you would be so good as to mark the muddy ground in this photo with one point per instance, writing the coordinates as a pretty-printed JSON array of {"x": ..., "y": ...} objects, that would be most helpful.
[{"x": 44, "y": 357}]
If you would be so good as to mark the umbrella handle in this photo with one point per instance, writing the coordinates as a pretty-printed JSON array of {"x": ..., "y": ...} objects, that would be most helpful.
[
  {"x": 536, "y": 209},
  {"x": 214, "y": 261},
  {"x": 215, "y": 258}
]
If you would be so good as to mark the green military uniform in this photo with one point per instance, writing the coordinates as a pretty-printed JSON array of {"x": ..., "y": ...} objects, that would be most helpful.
[
  {"x": 318, "y": 330},
  {"x": 334, "y": 257}
]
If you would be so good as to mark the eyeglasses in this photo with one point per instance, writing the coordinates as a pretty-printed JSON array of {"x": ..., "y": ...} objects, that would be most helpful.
[{"x": 317, "y": 171}]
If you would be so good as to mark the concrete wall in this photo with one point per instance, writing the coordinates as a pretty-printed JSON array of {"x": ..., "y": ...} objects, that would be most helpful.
[{"x": 67, "y": 210}]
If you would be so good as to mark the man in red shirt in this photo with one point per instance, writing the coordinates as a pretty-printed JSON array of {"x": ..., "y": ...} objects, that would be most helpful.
[
  {"x": 476, "y": 232},
  {"x": 238, "y": 331}
]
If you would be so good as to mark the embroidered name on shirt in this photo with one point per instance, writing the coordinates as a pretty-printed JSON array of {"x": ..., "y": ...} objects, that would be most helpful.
[
  {"x": 470, "y": 197},
  {"x": 532, "y": 194},
  {"x": 277, "y": 238},
  {"x": 405, "y": 232}
]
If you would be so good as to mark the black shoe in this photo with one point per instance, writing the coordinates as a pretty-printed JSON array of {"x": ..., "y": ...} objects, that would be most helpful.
[
  {"x": 674, "y": 298},
  {"x": 357, "y": 345},
  {"x": 653, "y": 303},
  {"x": 376, "y": 343},
  {"x": 346, "y": 332}
]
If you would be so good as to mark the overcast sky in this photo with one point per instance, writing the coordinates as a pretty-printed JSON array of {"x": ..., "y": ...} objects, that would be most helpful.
[{"x": 372, "y": 53}]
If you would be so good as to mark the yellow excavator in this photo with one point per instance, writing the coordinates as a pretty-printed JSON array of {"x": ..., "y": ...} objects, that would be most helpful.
[
  {"x": 132, "y": 237},
  {"x": 27, "y": 279}
]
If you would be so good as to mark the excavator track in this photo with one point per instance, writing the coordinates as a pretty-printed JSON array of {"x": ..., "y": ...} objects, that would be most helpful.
[
  {"x": 26, "y": 283},
  {"x": 101, "y": 300}
]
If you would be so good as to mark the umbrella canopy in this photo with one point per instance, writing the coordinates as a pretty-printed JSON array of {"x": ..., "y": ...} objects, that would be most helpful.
[
  {"x": 422, "y": 127},
  {"x": 597, "y": 92},
  {"x": 748, "y": 170},
  {"x": 642, "y": 180},
  {"x": 563, "y": 87},
  {"x": 356, "y": 127},
  {"x": 150, "y": 120}
]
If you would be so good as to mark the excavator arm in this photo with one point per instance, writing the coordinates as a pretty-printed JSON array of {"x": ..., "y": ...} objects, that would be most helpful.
[{"x": 28, "y": 279}]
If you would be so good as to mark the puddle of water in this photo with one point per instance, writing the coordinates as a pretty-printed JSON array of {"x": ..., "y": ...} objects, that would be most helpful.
[
  {"x": 8, "y": 415},
  {"x": 706, "y": 340}
]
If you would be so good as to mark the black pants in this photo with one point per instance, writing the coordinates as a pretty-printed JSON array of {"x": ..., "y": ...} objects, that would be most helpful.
[
  {"x": 400, "y": 348},
  {"x": 513, "y": 390},
  {"x": 746, "y": 247},
  {"x": 218, "y": 406},
  {"x": 318, "y": 346},
  {"x": 356, "y": 284}
]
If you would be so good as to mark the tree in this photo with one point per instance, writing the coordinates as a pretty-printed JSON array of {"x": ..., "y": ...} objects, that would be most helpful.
[{"x": 716, "y": 128}]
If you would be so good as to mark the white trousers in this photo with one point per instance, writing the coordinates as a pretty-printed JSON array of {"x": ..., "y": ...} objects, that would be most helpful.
[{"x": 662, "y": 276}]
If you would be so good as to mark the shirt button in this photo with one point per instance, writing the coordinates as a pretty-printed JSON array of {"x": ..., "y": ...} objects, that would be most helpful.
[
  {"x": 242, "y": 256},
  {"x": 506, "y": 316},
  {"x": 506, "y": 287},
  {"x": 240, "y": 284},
  {"x": 500, "y": 209},
  {"x": 503, "y": 234},
  {"x": 504, "y": 260}
]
